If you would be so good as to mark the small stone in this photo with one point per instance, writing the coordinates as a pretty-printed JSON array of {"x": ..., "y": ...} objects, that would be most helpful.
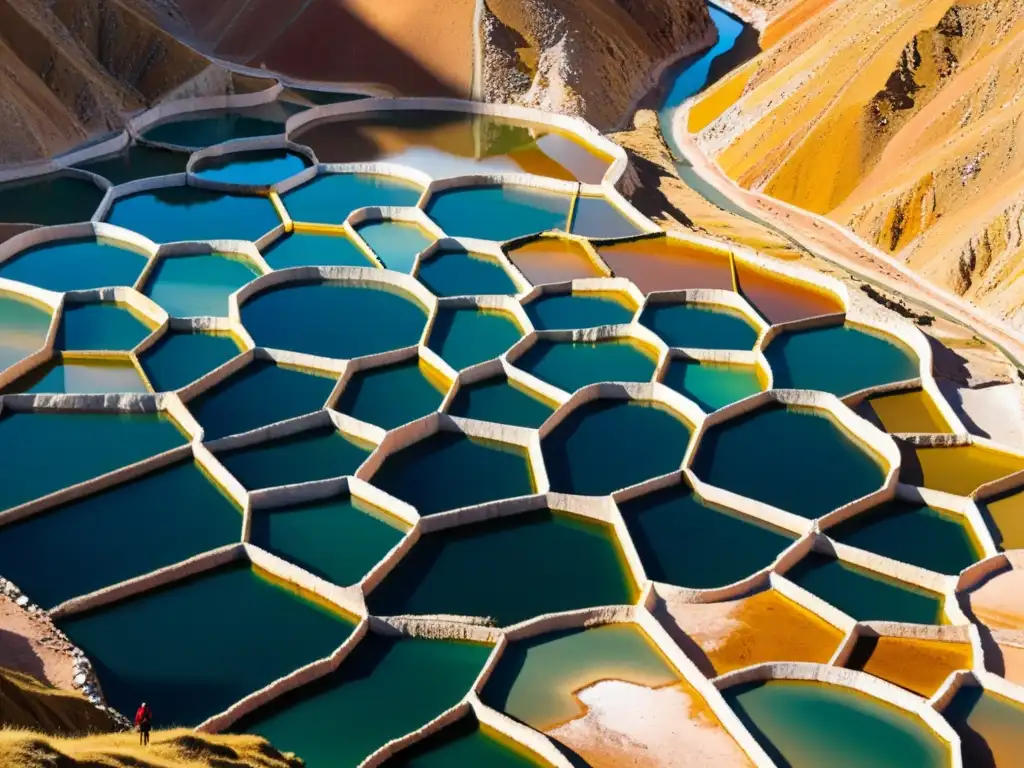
[
  {"x": 80, "y": 680},
  {"x": 22, "y": 601}
]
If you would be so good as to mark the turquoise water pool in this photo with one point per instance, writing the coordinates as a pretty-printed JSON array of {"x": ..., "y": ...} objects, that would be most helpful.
[
  {"x": 312, "y": 249},
  {"x": 497, "y": 212},
  {"x": 198, "y": 286},
  {"x": 579, "y": 310},
  {"x": 24, "y": 326},
  {"x": 179, "y": 357},
  {"x": 396, "y": 243},
  {"x": 393, "y": 395},
  {"x": 701, "y": 326},
  {"x": 501, "y": 400},
  {"x": 573, "y": 365},
  {"x": 257, "y": 168},
  {"x": 712, "y": 386},
  {"x": 75, "y": 265},
  {"x": 466, "y": 337},
  {"x": 462, "y": 273},
  {"x": 107, "y": 376},
  {"x": 331, "y": 197},
  {"x": 106, "y": 326}
]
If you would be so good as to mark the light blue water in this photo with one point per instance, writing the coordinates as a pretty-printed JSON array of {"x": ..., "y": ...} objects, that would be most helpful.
[
  {"x": 23, "y": 329},
  {"x": 465, "y": 337},
  {"x": 262, "y": 393},
  {"x": 197, "y": 286},
  {"x": 497, "y": 212},
  {"x": 841, "y": 360},
  {"x": 571, "y": 366},
  {"x": 712, "y": 386},
  {"x": 105, "y": 326},
  {"x": 460, "y": 273},
  {"x": 330, "y": 198},
  {"x": 259, "y": 168},
  {"x": 308, "y": 249},
  {"x": 187, "y": 213},
  {"x": 75, "y": 265},
  {"x": 82, "y": 377},
  {"x": 394, "y": 394},
  {"x": 333, "y": 319},
  {"x": 596, "y": 217},
  {"x": 181, "y": 357},
  {"x": 579, "y": 310},
  {"x": 700, "y": 326},
  {"x": 396, "y": 243}
]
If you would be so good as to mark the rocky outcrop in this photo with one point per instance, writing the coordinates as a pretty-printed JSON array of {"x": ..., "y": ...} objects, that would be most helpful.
[{"x": 589, "y": 58}]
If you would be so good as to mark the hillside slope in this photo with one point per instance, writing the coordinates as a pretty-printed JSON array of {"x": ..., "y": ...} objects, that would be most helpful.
[{"x": 898, "y": 118}]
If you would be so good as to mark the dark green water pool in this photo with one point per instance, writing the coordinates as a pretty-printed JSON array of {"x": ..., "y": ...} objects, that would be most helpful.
[
  {"x": 466, "y": 337},
  {"x": 258, "y": 167},
  {"x": 500, "y": 400},
  {"x": 795, "y": 460},
  {"x": 75, "y": 265},
  {"x": 160, "y": 519},
  {"x": 81, "y": 377},
  {"x": 570, "y": 365},
  {"x": 215, "y": 128},
  {"x": 393, "y": 395},
  {"x": 498, "y": 213},
  {"x": 45, "y": 451},
  {"x": 574, "y": 563},
  {"x": 699, "y": 326},
  {"x": 331, "y": 197},
  {"x": 912, "y": 533},
  {"x": 466, "y": 743},
  {"x": 317, "y": 454},
  {"x": 804, "y": 724},
  {"x": 864, "y": 595},
  {"x": 332, "y": 319},
  {"x": 188, "y": 213},
  {"x": 712, "y": 386},
  {"x": 680, "y": 539},
  {"x": 605, "y": 445},
  {"x": 310, "y": 249},
  {"x": 262, "y": 393},
  {"x": 579, "y": 310},
  {"x": 421, "y": 473},
  {"x": 106, "y": 326},
  {"x": 461, "y": 273},
  {"x": 340, "y": 540},
  {"x": 840, "y": 360},
  {"x": 596, "y": 217},
  {"x": 396, "y": 243},
  {"x": 387, "y": 687},
  {"x": 137, "y": 162},
  {"x": 194, "y": 647},
  {"x": 23, "y": 328},
  {"x": 49, "y": 200},
  {"x": 181, "y": 357}
]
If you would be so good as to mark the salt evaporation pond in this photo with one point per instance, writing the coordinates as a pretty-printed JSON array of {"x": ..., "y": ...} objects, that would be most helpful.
[
  {"x": 396, "y": 243},
  {"x": 137, "y": 162},
  {"x": 58, "y": 198},
  {"x": 102, "y": 326},
  {"x": 596, "y": 217},
  {"x": 23, "y": 328},
  {"x": 198, "y": 286},
  {"x": 467, "y": 337},
  {"x": 579, "y": 310},
  {"x": 86, "y": 376},
  {"x": 393, "y": 395},
  {"x": 699, "y": 325},
  {"x": 712, "y": 386},
  {"x": 957, "y": 469},
  {"x": 498, "y": 212},
  {"x": 501, "y": 400},
  {"x": 463, "y": 273},
  {"x": 256, "y": 168},
  {"x": 331, "y": 197},
  {"x": 467, "y": 742},
  {"x": 180, "y": 357},
  {"x": 663, "y": 264},
  {"x": 911, "y": 411},
  {"x": 571, "y": 365},
  {"x": 553, "y": 260},
  {"x": 76, "y": 265},
  {"x": 314, "y": 249},
  {"x": 206, "y": 129},
  {"x": 989, "y": 726}
]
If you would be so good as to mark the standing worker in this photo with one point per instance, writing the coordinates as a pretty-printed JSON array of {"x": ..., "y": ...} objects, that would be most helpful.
[{"x": 143, "y": 721}]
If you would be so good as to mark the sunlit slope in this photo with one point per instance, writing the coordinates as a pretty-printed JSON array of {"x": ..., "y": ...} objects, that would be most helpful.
[{"x": 898, "y": 118}]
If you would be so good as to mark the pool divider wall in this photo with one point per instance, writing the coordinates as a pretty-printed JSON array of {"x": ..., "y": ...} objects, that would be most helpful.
[
  {"x": 858, "y": 681},
  {"x": 963, "y": 634},
  {"x": 489, "y": 248},
  {"x": 976, "y": 678},
  {"x": 582, "y": 286},
  {"x": 236, "y": 146},
  {"x": 535, "y": 741},
  {"x": 395, "y": 746}
]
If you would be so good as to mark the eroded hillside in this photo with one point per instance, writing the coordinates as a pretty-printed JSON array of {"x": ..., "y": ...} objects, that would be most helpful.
[{"x": 898, "y": 118}]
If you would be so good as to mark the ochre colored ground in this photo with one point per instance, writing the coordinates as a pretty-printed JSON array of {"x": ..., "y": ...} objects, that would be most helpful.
[{"x": 920, "y": 666}]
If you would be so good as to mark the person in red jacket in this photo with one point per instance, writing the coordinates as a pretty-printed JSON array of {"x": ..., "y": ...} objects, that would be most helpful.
[{"x": 143, "y": 721}]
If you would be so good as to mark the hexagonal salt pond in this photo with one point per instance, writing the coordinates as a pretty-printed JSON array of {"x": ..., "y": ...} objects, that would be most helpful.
[
  {"x": 554, "y": 312},
  {"x": 331, "y": 197},
  {"x": 804, "y": 724},
  {"x": 457, "y": 272},
  {"x": 393, "y": 394},
  {"x": 1004, "y": 514},
  {"x": 180, "y": 357},
  {"x": 396, "y": 243},
  {"x": 912, "y": 533},
  {"x": 467, "y": 336},
  {"x": 257, "y": 167},
  {"x": 863, "y": 594},
  {"x": 782, "y": 300},
  {"x": 180, "y": 213},
  {"x": 712, "y": 386},
  {"x": 466, "y": 742},
  {"x": 315, "y": 249},
  {"x": 498, "y": 212},
  {"x": 502, "y": 400},
  {"x": 24, "y": 325},
  {"x": 700, "y": 326},
  {"x": 909, "y": 412},
  {"x": 260, "y": 394},
  {"x": 553, "y": 260},
  {"x": 76, "y": 265},
  {"x": 840, "y": 359},
  {"x": 685, "y": 541},
  {"x": 572, "y": 365},
  {"x": 198, "y": 645},
  {"x": 137, "y": 161},
  {"x": 59, "y": 449},
  {"x": 605, "y": 445},
  {"x": 795, "y": 459},
  {"x": 317, "y": 454},
  {"x": 204, "y": 129},
  {"x": 101, "y": 326},
  {"x": 386, "y": 688},
  {"x": 598, "y": 218},
  {"x": 956, "y": 469},
  {"x": 162, "y": 518},
  {"x": 450, "y": 470},
  {"x": 989, "y": 726},
  {"x": 574, "y": 563},
  {"x": 334, "y": 319},
  {"x": 199, "y": 285},
  {"x": 664, "y": 264},
  {"x": 56, "y": 198},
  {"x": 81, "y": 376}
]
